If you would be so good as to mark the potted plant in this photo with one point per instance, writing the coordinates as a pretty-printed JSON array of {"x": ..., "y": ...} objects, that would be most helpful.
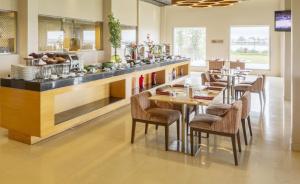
[{"x": 115, "y": 35}]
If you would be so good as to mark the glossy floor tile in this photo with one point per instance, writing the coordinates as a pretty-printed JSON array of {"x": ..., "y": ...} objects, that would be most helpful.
[{"x": 100, "y": 152}]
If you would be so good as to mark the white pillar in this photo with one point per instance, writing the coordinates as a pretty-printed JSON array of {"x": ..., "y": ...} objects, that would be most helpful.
[
  {"x": 296, "y": 75},
  {"x": 28, "y": 27},
  {"x": 286, "y": 57}
]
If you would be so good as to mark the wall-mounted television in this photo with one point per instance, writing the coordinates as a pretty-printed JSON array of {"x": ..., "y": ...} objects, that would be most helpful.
[{"x": 283, "y": 20}]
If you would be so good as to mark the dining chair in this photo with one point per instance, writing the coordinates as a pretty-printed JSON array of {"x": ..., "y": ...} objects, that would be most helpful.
[
  {"x": 254, "y": 87},
  {"x": 226, "y": 124},
  {"x": 145, "y": 111},
  {"x": 237, "y": 64},
  {"x": 215, "y": 65},
  {"x": 205, "y": 78}
]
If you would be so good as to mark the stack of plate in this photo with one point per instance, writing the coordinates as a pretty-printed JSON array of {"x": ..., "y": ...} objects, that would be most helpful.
[{"x": 22, "y": 72}]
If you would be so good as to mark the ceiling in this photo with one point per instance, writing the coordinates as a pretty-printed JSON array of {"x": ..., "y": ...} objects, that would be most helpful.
[{"x": 159, "y": 2}]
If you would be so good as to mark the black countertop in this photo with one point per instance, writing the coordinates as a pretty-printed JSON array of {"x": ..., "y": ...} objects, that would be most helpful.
[{"x": 45, "y": 85}]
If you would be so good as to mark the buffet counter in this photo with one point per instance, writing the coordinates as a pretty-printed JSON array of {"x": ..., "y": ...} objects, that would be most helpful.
[{"x": 35, "y": 110}]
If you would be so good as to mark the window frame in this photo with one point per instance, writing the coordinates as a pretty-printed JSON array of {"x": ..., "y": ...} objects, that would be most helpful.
[
  {"x": 270, "y": 44},
  {"x": 206, "y": 44},
  {"x": 99, "y": 42},
  {"x": 16, "y": 50}
]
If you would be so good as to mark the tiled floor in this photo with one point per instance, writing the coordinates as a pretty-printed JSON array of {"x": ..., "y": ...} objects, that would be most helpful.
[{"x": 100, "y": 152}]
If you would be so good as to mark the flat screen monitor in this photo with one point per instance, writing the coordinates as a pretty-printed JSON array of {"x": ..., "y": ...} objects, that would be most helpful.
[{"x": 283, "y": 20}]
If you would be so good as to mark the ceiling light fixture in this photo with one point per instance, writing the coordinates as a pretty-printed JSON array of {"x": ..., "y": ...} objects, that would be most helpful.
[{"x": 205, "y": 3}]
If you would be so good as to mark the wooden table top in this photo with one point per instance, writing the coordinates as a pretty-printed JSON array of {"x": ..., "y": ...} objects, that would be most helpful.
[{"x": 181, "y": 96}]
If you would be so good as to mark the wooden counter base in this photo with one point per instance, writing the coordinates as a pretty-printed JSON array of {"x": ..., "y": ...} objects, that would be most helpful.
[{"x": 31, "y": 116}]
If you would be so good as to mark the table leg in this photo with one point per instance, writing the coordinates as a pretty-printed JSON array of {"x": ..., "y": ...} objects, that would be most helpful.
[
  {"x": 232, "y": 87},
  {"x": 183, "y": 131},
  {"x": 228, "y": 89}
]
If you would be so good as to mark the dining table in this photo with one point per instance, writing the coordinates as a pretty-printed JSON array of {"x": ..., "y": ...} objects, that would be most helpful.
[
  {"x": 187, "y": 96},
  {"x": 231, "y": 75}
]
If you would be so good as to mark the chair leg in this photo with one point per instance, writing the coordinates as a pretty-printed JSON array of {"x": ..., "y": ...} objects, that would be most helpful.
[
  {"x": 146, "y": 128},
  {"x": 192, "y": 141},
  {"x": 244, "y": 131},
  {"x": 239, "y": 141},
  {"x": 249, "y": 124},
  {"x": 156, "y": 127},
  {"x": 260, "y": 99},
  {"x": 133, "y": 131},
  {"x": 167, "y": 137},
  {"x": 224, "y": 97},
  {"x": 178, "y": 129},
  {"x": 199, "y": 138},
  {"x": 233, "y": 140},
  {"x": 187, "y": 120},
  {"x": 264, "y": 94}
]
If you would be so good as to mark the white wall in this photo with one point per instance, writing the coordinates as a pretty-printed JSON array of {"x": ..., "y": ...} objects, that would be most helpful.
[
  {"x": 125, "y": 11},
  {"x": 218, "y": 21},
  {"x": 296, "y": 75},
  {"x": 8, "y": 5},
  {"x": 149, "y": 21},
  {"x": 80, "y": 9}
]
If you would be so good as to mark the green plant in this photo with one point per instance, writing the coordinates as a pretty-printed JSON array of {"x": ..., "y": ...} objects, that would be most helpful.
[{"x": 115, "y": 34}]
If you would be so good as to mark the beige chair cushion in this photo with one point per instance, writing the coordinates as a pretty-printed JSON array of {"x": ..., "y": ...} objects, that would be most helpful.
[
  {"x": 165, "y": 116},
  {"x": 204, "y": 121},
  {"x": 243, "y": 87},
  {"x": 218, "y": 109}
]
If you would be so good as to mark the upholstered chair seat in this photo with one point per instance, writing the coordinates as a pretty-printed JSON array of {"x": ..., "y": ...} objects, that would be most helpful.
[
  {"x": 243, "y": 87},
  {"x": 218, "y": 109},
  {"x": 165, "y": 116}
]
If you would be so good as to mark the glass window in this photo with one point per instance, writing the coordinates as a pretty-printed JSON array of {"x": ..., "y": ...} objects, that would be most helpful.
[
  {"x": 55, "y": 40},
  {"x": 89, "y": 38},
  {"x": 8, "y": 32},
  {"x": 57, "y": 34},
  {"x": 128, "y": 37},
  {"x": 252, "y": 45},
  {"x": 191, "y": 42}
]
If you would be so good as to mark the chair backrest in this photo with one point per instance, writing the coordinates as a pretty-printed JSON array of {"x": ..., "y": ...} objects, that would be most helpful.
[
  {"x": 236, "y": 64},
  {"x": 140, "y": 103},
  {"x": 246, "y": 100},
  {"x": 231, "y": 121},
  {"x": 205, "y": 78},
  {"x": 258, "y": 85},
  {"x": 215, "y": 65},
  {"x": 236, "y": 116}
]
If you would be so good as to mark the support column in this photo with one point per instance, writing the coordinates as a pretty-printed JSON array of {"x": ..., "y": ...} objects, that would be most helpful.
[
  {"x": 286, "y": 57},
  {"x": 296, "y": 75},
  {"x": 28, "y": 11}
]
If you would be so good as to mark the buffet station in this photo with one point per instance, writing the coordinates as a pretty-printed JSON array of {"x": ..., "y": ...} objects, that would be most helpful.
[{"x": 54, "y": 92}]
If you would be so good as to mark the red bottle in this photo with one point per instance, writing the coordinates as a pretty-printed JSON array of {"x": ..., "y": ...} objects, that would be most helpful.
[
  {"x": 153, "y": 76},
  {"x": 141, "y": 82}
]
